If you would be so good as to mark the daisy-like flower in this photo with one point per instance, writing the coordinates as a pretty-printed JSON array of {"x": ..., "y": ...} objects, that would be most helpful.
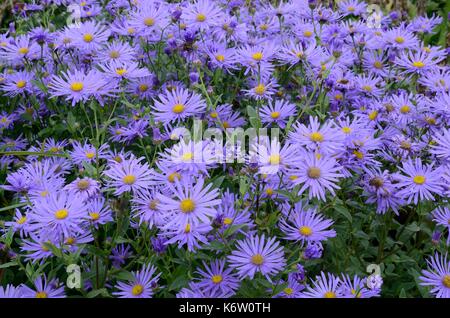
[
  {"x": 59, "y": 214},
  {"x": 325, "y": 286},
  {"x": 271, "y": 157},
  {"x": 277, "y": 113},
  {"x": 116, "y": 51},
  {"x": 307, "y": 226},
  {"x": 263, "y": 89},
  {"x": 437, "y": 275},
  {"x": 18, "y": 84},
  {"x": 189, "y": 203},
  {"x": 9, "y": 291},
  {"x": 20, "y": 49},
  {"x": 419, "y": 181},
  {"x": 316, "y": 175},
  {"x": 149, "y": 18},
  {"x": 124, "y": 70},
  {"x": 84, "y": 187},
  {"x": 419, "y": 62},
  {"x": 441, "y": 148},
  {"x": 140, "y": 286},
  {"x": 120, "y": 254},
  {"x": 19, "y": 223},
  {"x": 188, "y": 234},
  {"x": 87, "y": 152},
  {"x": 352, "y": 7},
  {"x": 44, "y": 289},
  {"x": 201, "y": 15},
  {"x": 256, "y": 254},
  {"x": 89, "y": 36},
  {"x": 292, "y": 290},
  {"x": 400, "y": 38},
  {"x": 145, "y": 207},
  {"x": 177, "y": 105},
  {"x": 356, "y": 288},
  {"x": 98, "y": 212},
  {"x": 79, "y": 86},
  {"x": 222, "y": 57},
  {"x": 442, "y": 217},
  {"x": 216, "y": 277},
  {"x": 323, "y": 138},
  {"x": 129, "y": 175}
]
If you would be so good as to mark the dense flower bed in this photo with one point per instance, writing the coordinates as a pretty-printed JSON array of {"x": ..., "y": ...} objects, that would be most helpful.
[{"x": 338, "y": 188}]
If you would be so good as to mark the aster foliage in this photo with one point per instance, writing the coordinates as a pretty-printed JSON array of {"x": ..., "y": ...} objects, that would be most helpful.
[{"x": 348, "y": 165}]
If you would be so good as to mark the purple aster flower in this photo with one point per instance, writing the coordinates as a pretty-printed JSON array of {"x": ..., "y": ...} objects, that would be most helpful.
[
  {"x": 89, "y": 36},
  {"x": 201, "y": 15},
  {"x": 124, "y": 70},
  {"x": 352, "y": 7},
  {"x": 19, "y": 223},
  {"x": 419, "y": 62},
  {"x": 87, "y": 152},
  {"x": 44, "y": 289},
  {"x": 117, "y": 51},
  {"x": 442, "y": 217},
  {"x": 292, "y": 290},
  {"x": 419, "y": 181},
  {"x": 316, "y": 175},
  {"x": 9, "y": 291},
  {"x": 326, "y": 138},
  {"x": 59, "y": 214},
  {"x": 400, "y": 38},
  {"x": 356, "y": 288},
  {"x": 313, "y": 250},
  {"x": 149, "y": 19},
  {"x": 140, "y": 286},
  {"x": 22, "y": 48},
  {"x": 307, "y": 225},
  {"x": 216, "y": 278},
  {"x": 37, "y": 249},
  {"x": 189, "y": 203},
  {"x": 188, "y": 234},
  {"x": 85, "y": 188},
  {"x": 256, "y": 254},
  {"x": 18, "y": 84},
  {"x": 442, "y": 147},
  {"x": 120, "y": 254},
  {"x": 79, "y": 86},
  {"x": 145, "y": 207},
  {"x": 325, "y": 286},
  {"x": 129, "y": 175},
  {"x": 177, "y": 105},
  {"x": 98, "y": 212},
  {"x": 277, "y": 113},
  {"x": 437, "y": 275}
]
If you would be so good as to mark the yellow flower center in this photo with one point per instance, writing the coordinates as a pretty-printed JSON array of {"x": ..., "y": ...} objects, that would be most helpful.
[
  {"x": 24, "y": 50},
  {"x": 90, "y": 155},
  {"x": 201, "y": 17},
  {"x": 269, "y": 191},
  {"x": 137, "y": 290},
  {"x": 83, "y": 184},
  {"x": 88, "y": 37},
  {"x": 350, "y": 9},
  {"x": 226, "y": 124},
  {"x": 21, "y": 84},
  {"x": 378, "y": 65},
  {"x": 260, "y": 89},
  {"x": 418, "y": 64},
  {"x": 187, "y": 156},
  {"x": 307, "y": 33},
  {"x": 187, "y": 205},
  {"x": 214, "y": 115},
  {"x": 41, "y": 294},
  {"x": 257, "y": 259},
  {"x": 61, "y": 214},
  {"x": 121, "y": 71},
  {"x": 367, "y": 88},
  {"x": 346, "y": 130},
  {"x": 44, "y": 193},
  {"x": 376, "y": 182},
  {"x": 131, "y": 30},
  {"x": 288, "y": 291},
  {"x": 305, "y": 230},
  {"x": 94, "y": 216},
  {"x": 329, "y": 294},
  {"x": 220, "y": 57},
  {"x": 446, "y": 281},
  {"x": 76, "y": 86},
  {"x": 258, "y": 56},
  {"x": 358, "y": 154},
  {"x": 178, "y": 108},
  {"x": 172, "y": 177},
  {"x": 70, "y": 241},
  {"x": 314, "y": 173},
  {"x": 216, "y": 279},
  {"x": 264, "y": 26},
  {"x": 419, "y": 179},
  {"x": 373, "y": 115},
  {"x": 22, "y": 220},
  {"x": 149, "y": 22},
  {"x": 316, "y": 136},
  {"x": 114, "y": 54},
  {"x": 400, "y": 39},
  {"x": 227, "y": 221},
  {"x": 129, "y": 179},
  {"x": 143, "y": 88},
  {"x": 405, "y": 109},
  {"x": 187, "y": 228},
  {"x": 275, "y": 115},
  {"x": 153, "y": 204},
  {"x": 275, "y": 159},
  {"x": 292, "y": 178}
]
